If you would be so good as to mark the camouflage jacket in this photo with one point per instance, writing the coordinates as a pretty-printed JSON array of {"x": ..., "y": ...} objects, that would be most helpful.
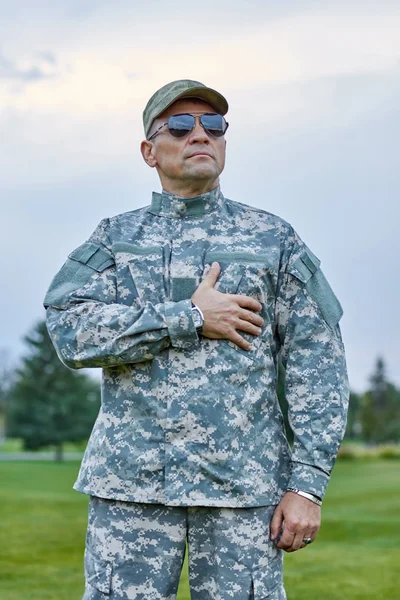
[{"x": 187, "y": 420}]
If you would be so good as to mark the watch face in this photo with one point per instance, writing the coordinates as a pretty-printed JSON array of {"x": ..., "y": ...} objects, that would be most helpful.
[
  {"x": 196, "y": 318},
  {"x": 198, "y": 321}
]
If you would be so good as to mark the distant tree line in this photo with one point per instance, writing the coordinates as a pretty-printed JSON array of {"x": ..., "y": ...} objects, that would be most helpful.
[{"x": 46, "y": 404}]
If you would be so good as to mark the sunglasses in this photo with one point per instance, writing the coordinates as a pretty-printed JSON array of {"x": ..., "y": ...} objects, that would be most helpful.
[{"x": 181, "y": 125}]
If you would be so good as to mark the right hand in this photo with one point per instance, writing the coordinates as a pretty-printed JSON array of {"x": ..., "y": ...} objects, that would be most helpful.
[{"x": 225, "y": 313}]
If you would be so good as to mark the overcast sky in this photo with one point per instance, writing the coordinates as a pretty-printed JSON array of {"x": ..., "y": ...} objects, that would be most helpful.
[{"x": 314, "y": 94}]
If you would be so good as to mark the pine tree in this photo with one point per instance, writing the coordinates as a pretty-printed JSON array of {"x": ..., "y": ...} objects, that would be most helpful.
[
  {"x": 380, "y": 409},
  {"x": 353, "y": 427},
  {"x": 6, "y": 382},
  {"x": 50, "y": 403}
]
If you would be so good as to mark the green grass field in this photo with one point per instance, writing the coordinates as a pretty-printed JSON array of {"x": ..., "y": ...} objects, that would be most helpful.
[{"x": 356, "y": 556}]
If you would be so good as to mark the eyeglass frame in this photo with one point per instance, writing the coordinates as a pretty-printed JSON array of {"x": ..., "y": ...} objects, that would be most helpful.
[{"x": 195, "y": 116}]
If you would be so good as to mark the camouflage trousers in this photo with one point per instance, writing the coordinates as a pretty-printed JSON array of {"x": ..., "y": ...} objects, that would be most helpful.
[{"x": 135, "y": 552}]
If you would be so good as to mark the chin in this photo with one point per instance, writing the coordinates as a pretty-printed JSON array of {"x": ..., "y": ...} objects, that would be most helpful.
[{"x": 203, "y": 173}]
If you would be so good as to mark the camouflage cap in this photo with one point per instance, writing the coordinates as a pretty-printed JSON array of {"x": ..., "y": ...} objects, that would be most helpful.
[{"x": 182, "y": 88}]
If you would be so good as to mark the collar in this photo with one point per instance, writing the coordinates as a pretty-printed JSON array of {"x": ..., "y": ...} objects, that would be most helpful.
[{"x": 170, "y": 205}]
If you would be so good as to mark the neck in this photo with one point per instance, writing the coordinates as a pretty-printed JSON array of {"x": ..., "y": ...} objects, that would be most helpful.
[{"x": 188, "y": 189}]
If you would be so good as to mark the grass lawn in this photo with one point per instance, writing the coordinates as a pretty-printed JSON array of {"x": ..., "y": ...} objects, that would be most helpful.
[{"x": 356, "y": 556}]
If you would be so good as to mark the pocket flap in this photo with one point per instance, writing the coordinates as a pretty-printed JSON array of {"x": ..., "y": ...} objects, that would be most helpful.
[
  {"x": 307, "y": 269},
  {"x": 229, "y": 278},
  {"x": 305, "y": 266},
  {"x": 92, "y": 255},
  {"x": 268, "y": 581},
  {"x": 98, "y": 573}
]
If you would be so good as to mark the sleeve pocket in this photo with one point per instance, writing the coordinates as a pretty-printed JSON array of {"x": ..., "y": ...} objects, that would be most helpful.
[
  {"x": 82, "y": 263},
  {"x": 306, "y": 268},
  {"x": 98, "y": 573},
  {"x": 93, "y": 256}
]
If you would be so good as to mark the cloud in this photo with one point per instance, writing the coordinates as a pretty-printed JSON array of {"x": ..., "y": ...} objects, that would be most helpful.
[
  {"x": 115, "y": 66},
  {"x": 28, "y": 70}
]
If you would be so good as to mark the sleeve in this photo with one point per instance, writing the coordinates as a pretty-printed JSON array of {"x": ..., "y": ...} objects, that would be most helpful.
[
  {"x": 89, "y": 328},
  {"x": 312, "y": 352}
]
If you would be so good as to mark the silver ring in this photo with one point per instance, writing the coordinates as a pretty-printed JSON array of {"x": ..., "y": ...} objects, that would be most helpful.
[{"x": 307, "y": 541}]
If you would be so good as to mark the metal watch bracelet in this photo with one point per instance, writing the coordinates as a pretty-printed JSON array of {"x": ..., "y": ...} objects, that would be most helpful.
[{"x": 306, "y": 495}]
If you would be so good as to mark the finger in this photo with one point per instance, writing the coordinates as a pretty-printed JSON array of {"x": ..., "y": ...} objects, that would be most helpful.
[
  {"x": 287, "y": 538},
  {"x": 247, "y": 302},
  {"x": 309, "y": 534},
  {"x": 313, "y": 534},
  {"x": 276, "y": 523},
  {"x": 251, "y": 317},
  {"x": 239, "y": 340},
  {"x": 297, "y": 542},
  {"x": 212, "y": 275},
  {"x": 248, "y": 327}
]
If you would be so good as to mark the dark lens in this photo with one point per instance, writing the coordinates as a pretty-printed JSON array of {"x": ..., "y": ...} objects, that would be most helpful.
[
  {"x": 214, "y": 124},
  {"x": 180, "y": 125}
]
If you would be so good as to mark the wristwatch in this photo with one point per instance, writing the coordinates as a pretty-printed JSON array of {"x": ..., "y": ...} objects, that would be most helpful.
[{"x": 198, "y": 318}]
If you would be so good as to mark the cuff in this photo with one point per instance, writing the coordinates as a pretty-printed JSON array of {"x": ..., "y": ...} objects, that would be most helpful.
[
  {"x": 181, "y": 327},
  {"x": 308, "y": 479}
]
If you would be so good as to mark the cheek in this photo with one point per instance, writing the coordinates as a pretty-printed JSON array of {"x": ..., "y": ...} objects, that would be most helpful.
[
  {"x": 221, "y": 154},
  {"x": 169, "y": 156}
]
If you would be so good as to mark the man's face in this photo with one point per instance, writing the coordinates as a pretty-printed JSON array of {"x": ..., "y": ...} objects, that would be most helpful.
[{"x": 197, "y": 157}]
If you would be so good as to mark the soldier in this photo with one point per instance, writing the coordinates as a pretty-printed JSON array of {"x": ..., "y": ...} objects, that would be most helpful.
[{"x": 186, "y": 304}]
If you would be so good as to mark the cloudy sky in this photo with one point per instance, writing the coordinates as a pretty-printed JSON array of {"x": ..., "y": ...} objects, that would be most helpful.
[{"x": 314, "y": 94}]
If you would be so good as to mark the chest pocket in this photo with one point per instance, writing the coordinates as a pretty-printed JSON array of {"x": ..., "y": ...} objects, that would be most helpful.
[
  {"x": 247, "y": 274},
  {"x": 140, "y": 273}
]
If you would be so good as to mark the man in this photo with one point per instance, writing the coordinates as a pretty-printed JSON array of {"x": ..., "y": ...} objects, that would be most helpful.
[{"x": 185, "y": 304}]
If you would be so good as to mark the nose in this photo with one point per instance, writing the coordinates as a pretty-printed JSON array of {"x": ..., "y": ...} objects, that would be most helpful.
[{"x": 198, "y": 134}]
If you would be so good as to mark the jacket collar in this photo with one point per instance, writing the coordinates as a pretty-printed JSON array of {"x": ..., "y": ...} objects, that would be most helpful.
[{"x": 170, "y": 205}]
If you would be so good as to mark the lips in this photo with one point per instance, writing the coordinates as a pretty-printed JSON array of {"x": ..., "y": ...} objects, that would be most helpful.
[{"x": 200, "y": 154}]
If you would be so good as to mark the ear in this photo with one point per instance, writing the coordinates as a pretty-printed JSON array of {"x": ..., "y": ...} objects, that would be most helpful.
[{"x": 146, "y": 148}]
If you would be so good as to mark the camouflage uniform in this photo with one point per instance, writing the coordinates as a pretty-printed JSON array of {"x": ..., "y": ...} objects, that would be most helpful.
[
  {"x": 188, "y": 421},
  {"x": 230, "y": 554}
]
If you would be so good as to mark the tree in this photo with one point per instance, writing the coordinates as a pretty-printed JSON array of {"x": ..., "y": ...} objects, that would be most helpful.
[
  {"x": 6, "y": 382},
  {"x": 380, "y": 409},
  {"x": 353, "y": 427},
  {"x": 50, "y": 403}
]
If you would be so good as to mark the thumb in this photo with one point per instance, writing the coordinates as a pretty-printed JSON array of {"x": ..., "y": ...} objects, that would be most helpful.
[
  {"x": 213, "y": 274},
  {"x": 276, "y": 523}
]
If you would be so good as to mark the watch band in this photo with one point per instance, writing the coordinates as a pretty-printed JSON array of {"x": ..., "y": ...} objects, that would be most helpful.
[{"x": 311, "y": 497}]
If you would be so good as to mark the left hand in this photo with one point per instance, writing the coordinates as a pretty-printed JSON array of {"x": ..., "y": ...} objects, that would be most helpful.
[{"x": 302, "y": 519}]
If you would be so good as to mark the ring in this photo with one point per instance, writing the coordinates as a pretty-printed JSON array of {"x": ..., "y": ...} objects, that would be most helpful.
[{"x": 307, "y": 541}]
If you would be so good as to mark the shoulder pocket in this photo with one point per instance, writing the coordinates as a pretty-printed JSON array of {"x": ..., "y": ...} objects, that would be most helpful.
[
  {"x": 76, "y": 272},
  {"x": 307, "y": 269}
]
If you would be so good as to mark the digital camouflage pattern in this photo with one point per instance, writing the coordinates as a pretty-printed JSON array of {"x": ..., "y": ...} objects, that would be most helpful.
[
  {"x": 188, "y": 421},
  {"x": 230, "y": 554}
]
